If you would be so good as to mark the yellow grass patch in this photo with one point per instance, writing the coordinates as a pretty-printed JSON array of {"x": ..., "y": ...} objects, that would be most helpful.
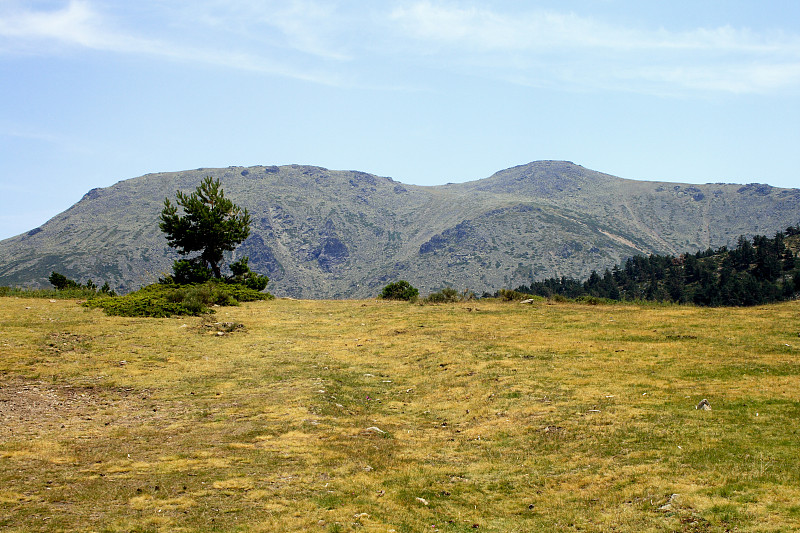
[{"x": 379, "y": 416}]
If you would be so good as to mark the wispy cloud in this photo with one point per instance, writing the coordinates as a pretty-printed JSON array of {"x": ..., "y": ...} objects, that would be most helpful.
[
  {"x": 541, "y": 47},
  {"x": 312, "y": 27},
  {"x": 536, "y": 30},
  {"x": 473, "y": 28},
  {"x": 75, "y": 24},
  {"x": 345, "y": 43},
  {"x": 79, "y": 25}
]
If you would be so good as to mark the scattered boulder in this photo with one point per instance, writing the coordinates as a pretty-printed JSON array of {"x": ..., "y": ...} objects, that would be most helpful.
[
  {"x": 222, "y": 328},
  {"x": 704, "y": 405},
  {"x": 667, "y": 507}
]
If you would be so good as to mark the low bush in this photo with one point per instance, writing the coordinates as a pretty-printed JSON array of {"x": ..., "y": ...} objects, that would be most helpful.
[
  {"x": 242, "y": 275},
  {"x": 508, "y": 295},
  {"x": 534, "y": 298},
  {"x": 449, "y": 295},
  {"x": 399, "y": 290},
  {"x": 65, "y": 285},
  {"x": 135, "y": 304},
  {"x": 187, "y": 271},
  {"x": 193, "y": 271},
  {"x": 164, "y": 300},
  {"x": 595, "y": 300}
]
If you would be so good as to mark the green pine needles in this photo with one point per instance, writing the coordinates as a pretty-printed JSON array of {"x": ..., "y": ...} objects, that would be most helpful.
[{"x": 210, "y": 224}]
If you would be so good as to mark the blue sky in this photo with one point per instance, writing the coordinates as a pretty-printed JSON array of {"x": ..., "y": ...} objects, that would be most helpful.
[{"x": 424, "y": 91}]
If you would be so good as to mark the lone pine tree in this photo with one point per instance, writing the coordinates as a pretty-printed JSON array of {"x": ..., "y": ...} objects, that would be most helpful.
[{"x": 210, "y": 224}]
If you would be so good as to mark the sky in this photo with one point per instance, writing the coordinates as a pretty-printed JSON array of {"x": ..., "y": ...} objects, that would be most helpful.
[{"x": 426, "y": 92}]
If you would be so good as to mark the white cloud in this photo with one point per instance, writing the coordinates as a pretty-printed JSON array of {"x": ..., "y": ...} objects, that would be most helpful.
[
  {"x": 484, "y": 29},
  {"x": 539, "y": 47},
  {"x": 79, "y": 25},
  {"x": 534, "y": 30},
  {"x": 306, "y": 26},
  {"x": 737, "y": 79},
  {"x": 76, "y": 24},
  {"x": 328, "y": 42},
  {"x": 310, "y": 27}
]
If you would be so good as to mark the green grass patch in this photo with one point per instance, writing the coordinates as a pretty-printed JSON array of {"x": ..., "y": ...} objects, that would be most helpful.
[{"x": 75, "y": 293}]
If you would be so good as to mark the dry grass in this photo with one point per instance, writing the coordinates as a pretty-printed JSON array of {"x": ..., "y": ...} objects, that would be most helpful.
[{"x": 377, "y": 416}]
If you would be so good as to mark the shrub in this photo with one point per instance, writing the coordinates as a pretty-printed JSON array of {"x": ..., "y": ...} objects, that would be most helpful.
[
  {"x": 244, "y": 276},
  {"x": 164, "y": 299},
  {"x": 242, "y": 293},
  {"x": 185, "y": 271},
  {"x": 436, "y": 298},
  {"x": 61, "y": 282},
  {"x": 139, "y": 305},
  {"x": 193, "y": 271},
  {"x": 68, "y": 288},
  {"x": 508, "y": 295},
  {"x": 595, "y": 300},
  {"x": 531, "y": 298},
  {"x": 399, "y": 290},
  {"x": 449, "y": 295}
]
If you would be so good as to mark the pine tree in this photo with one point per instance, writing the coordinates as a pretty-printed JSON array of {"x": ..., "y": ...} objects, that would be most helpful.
[{"x": 210, "y": 224}]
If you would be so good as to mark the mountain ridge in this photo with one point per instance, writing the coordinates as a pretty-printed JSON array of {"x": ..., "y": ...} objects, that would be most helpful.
[{"x": 320, "y": 233}]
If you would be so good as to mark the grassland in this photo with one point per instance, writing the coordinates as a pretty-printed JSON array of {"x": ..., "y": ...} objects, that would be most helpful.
[{"x": 380, "y": 416}]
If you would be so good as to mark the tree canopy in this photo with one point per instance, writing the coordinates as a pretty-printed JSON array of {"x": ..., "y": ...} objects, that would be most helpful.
[
  {"x": 762, "y": 271},
  {"x": 210, "y": 224}
]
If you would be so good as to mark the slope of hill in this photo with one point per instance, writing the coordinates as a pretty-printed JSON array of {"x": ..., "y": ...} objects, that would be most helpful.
[{"x": 322, "y": 233}]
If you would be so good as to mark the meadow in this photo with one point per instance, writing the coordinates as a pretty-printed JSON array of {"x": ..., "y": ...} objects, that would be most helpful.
[{"x": 369, "y": 415}]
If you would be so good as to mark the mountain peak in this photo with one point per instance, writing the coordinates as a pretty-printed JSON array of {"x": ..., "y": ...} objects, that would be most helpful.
[{"x": 543, "y": 179}]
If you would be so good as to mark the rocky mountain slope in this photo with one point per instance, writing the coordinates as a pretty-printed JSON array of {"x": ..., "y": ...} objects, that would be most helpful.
[{"x": 322, "y": 233}]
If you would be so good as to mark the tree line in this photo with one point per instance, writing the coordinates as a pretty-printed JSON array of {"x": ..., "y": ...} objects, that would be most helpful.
[{"x": 755, "y": 272}]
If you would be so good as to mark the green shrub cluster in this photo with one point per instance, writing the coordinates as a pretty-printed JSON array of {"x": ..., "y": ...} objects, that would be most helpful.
[
  {"x": 68, "y": 286},
  {"x": 193, "y": 271},
  {"x": 164, "y": 300},
  {"x": 595, "y": 300},
  {"x": 242, "y": 275},
  {"x": 507, "y": 295},
  {"x": 449, "y": 295},
  {"x": 399, "y": 290},
  {"x": 63, "y": 289}
]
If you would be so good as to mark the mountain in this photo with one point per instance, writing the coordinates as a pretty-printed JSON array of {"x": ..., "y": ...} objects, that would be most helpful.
[{"x": 321, "y": 233}]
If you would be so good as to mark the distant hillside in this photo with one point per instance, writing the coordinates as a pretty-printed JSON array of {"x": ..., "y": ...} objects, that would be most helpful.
[{"x": 322, "y": 233}]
